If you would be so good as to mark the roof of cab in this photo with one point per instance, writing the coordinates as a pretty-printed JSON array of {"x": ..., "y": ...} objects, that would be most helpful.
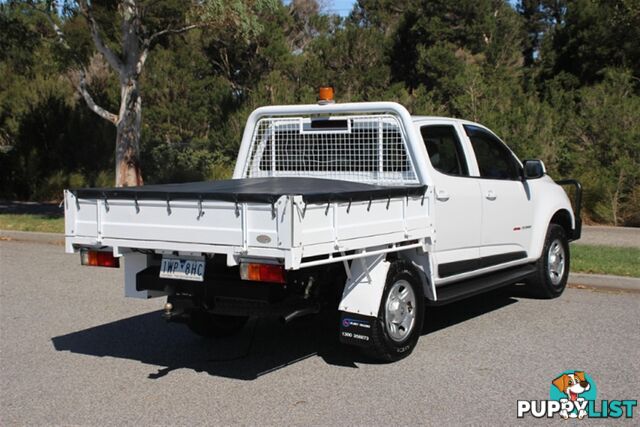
[
  {"x": 418, "y": 119},
  {"x": 421, "y": 118}
]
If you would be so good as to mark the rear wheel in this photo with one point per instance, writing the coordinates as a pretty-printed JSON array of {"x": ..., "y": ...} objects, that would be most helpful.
[
  {"x": 398, "y": 326},
  {"x": 211, "y": 325},
  {"x": 552, "y": 269}
]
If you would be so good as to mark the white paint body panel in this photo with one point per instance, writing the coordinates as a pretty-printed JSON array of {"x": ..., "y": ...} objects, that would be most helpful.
[
  {"x": 294, "y": 230},
  {"x": 464, "y": 226},
  {"x": 134, "y": 263},
  {"x": 507, "y": 214},
  {"x": 457, "y": 205},
  {"x": 548, "y": 198},
  {"x": 363, "y": 290},
  {"x": 424, "y": 264},
  {"x": 489, "y": 224},
  {"x": 458, "y": 215}
]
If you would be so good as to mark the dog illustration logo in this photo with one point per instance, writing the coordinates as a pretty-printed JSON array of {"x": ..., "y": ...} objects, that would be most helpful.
[
  {"x": 572, "y": 394},
  {"x": 572, "y": 385}
]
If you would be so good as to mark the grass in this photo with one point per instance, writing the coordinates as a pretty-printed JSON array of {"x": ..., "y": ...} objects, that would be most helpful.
[
  {"x": 30, "y": 222},
  {"x": 605, "y": 260}
]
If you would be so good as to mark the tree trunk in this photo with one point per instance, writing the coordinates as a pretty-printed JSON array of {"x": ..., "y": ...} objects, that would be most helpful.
[
  {"x": 128, "y": 172},
  {"x": 136, "y": 43}
]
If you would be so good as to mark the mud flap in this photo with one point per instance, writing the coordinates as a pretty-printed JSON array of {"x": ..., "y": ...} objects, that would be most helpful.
[
  {"x": 134, "y": 263},
  {"x": 361, "y": 298},
  {"x": 355, "y": 329}
]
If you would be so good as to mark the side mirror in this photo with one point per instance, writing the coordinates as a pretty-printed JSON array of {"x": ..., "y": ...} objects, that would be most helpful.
[{"x": 534, "y": 169}]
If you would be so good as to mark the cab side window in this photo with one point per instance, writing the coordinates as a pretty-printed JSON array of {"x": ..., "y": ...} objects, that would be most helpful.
[
  {"x": 494, "y": 158},
  {"x": 444, "y": 149}
]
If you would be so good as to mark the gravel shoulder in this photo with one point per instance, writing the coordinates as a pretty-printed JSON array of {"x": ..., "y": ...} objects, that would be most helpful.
[{"x": 628, "y": 237}]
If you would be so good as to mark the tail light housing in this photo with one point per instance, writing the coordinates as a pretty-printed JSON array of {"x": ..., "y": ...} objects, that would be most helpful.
[
  {"x": 273, "y": 273},
  {"x": 95, "y": 258}
]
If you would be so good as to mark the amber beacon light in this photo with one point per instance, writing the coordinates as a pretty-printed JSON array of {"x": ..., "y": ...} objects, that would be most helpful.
[{"x": 325, "y": 95}]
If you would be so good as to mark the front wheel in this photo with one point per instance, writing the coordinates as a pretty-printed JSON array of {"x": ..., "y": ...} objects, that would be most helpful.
[
  {"x": 397, "y": 328},
  {"x": 209, "y": 325},
  {"x": 552, "y": 269}
]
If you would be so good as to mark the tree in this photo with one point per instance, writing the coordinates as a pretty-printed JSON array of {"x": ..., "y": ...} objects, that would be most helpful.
[
  {"x": 142, "y": 25},
  {"x": 470, "y": 29},
  {"x": 303, "y": 26},
  {"x": 592, "y": 36},
  {"x": 607, "y": 134},
  {"x": 541, "y": 18},
  {"x": 556, "y": 79},
  {"x": 381, "y": 14}
]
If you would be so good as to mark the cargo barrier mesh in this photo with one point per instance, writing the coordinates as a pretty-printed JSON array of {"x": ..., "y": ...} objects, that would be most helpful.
[{"x": 370, "y": 149}]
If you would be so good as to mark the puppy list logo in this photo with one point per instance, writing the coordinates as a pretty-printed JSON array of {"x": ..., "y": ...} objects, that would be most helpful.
[
  {"x": 573, "y": 390},
  {"x": 572, "y": 394}
]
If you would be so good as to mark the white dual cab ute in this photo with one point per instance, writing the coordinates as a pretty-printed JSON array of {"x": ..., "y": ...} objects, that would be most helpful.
[{"x": 358, "y": 206}]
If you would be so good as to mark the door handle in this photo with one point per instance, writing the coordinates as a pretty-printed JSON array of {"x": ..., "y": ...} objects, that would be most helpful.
[
  {"x": 442, "y": 195},
  {"x": 491, "y": 195}
]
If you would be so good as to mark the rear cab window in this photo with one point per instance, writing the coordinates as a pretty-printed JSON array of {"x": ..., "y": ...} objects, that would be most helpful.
[{"x": 444, "y": 149}]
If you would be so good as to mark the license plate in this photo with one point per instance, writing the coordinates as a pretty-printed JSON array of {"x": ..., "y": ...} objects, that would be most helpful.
[{"x": 182, "y": 268}]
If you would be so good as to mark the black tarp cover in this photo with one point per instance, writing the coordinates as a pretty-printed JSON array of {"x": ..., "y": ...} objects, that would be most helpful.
[{"x": 262, "y": 190}]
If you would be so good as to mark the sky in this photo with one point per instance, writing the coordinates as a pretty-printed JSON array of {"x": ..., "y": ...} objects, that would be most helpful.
[
  {"x": 343, "y": 7},
  {"x": 340, "y": 7}
]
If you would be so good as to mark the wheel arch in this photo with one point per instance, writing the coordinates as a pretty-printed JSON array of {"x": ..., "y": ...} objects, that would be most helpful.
[
  {"x": 362, "y": 292},
  {"x": 421, "y": 264},
  {"x": 564, "y": 219},
  {"x": 561, "y": 216}
]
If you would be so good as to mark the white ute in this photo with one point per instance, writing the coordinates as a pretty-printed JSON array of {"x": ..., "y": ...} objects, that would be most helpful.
[{"x": 358, "y": 206}]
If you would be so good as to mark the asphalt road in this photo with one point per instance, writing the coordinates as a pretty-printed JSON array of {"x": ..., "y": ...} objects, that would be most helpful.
[{"x": 74, "y": 351}]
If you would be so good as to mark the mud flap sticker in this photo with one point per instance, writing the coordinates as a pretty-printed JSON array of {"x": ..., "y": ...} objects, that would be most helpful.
[{"x": 355, "y": 329}]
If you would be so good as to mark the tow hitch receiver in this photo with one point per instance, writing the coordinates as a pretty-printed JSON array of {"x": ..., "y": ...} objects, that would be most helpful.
[{"x": 177, "y": 309}]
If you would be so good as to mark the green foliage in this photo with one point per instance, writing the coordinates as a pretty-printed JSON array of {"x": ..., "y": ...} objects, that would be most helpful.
[
  {"x": 556, "y": 79},
  {"x": 351, "y": 60},
  {"x": 187, "y": 164},
  {"x": 18, "y": 40},
  {"x": 607, "y": 132},
  {"x": 593, "y": 36},
  {"x": 437, "y": 40}
]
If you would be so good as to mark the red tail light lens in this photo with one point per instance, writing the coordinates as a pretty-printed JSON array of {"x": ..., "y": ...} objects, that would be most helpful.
[
  {"x": 98, "y": 259},
  {"x": 262, "y": 272}
]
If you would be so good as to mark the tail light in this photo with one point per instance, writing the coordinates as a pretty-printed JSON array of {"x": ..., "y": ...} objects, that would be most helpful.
[
  {"x": 98, "y": 258},
  {"x": 273, "y": 273}
]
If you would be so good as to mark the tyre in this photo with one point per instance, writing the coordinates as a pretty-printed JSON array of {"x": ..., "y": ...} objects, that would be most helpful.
[
  {"x": 552, "y": 269},
  {"x": 398, "y": 326},
  {"x": 210, "y": 325}
]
